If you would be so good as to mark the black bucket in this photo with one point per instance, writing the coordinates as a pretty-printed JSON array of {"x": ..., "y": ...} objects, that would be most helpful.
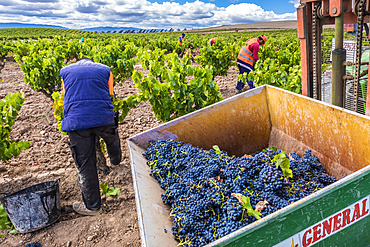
[{"x": 34, "y": 207}]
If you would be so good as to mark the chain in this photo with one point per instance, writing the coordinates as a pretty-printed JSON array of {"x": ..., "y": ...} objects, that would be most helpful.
[
  {"x": 315, "y": 41},
  {"x": 360, "y": 21}
]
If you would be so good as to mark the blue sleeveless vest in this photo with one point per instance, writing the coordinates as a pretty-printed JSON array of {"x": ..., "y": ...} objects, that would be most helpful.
[{"x": 87, "y": 102}]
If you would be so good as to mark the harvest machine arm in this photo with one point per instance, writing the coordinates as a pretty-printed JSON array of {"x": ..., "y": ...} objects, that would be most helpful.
[{"x": 311, "y": 16}]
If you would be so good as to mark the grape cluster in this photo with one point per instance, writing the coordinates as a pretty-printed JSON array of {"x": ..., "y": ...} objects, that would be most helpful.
[{"x": 198, "y": 185}]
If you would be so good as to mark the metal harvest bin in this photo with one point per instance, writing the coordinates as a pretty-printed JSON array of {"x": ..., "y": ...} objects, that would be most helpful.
[{"x": 263, "y": 117}]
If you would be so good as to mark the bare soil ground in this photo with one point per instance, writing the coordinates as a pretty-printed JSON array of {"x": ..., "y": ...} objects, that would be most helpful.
[{"x": 49, "y": 158}]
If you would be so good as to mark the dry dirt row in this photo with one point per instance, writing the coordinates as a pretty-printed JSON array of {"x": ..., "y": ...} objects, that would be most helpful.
[{"x": 49, "y": 158}]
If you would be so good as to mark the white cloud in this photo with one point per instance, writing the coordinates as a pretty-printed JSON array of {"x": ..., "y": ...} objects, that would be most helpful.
[
  {"x": 134, "y": 13},
  {"x": 295, "y": 2}
]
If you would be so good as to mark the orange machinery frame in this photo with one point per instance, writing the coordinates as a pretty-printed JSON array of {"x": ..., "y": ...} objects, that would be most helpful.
[{"x": 330, "y": 10}]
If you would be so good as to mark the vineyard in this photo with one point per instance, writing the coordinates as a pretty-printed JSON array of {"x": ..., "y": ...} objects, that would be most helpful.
[
  {"x": 156, "y": 80},
  {"x": 37, "y": 33},
  {"x": 42, "y": 59}
]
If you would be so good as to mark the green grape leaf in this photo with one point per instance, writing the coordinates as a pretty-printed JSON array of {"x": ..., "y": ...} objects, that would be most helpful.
[
  {"x": 283, "y": 162},
  {"x": 109, "y": 191},
  {"x": 113, "y": 191},
  {"x": 4, "y": 219},
  {"x": 245, "y": 202},
  {"x": 217, "y": 149},
  {"x": 104, "y": 188},
  {"x": 254, "y": 213}
]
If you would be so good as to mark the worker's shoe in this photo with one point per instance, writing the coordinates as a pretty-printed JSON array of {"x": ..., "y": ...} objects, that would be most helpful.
[
  {"x": 110, "y": 164},
  {"x": 80, "y": 208}
]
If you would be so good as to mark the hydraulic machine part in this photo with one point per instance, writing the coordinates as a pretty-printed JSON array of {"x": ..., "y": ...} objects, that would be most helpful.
[{"x": 311, "y": 16}]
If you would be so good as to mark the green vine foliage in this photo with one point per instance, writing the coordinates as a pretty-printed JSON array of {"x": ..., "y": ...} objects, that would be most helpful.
[
  {"x": 9, "y": 108},
  {"x": 173, "y": 87},
  {"x": 42, "y": 61},
  {"x": 177, "y": 94},
  {"x": 279, "y": 65},
  {"x": 153, "y": 61},
  {"x": 169, "y": 45},
  {"x": 109, "y": 191},
  {"x": 220, "y": 57},
  {"x": 119, "y": 56},
  {"x": 5, "y": 222},
  {"x": 42, "y": 70},
  {"x": 5, "y": 48},
  {"x": 21, "y": 49},
  {"x": 123, "y": 106},
  {"x": 58, "y": 109},
  {"x": 167, "y": 87}
]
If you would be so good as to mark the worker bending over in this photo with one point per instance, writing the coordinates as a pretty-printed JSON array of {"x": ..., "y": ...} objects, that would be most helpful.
[
  {"x": 212, "y": 41},
  {"x": 248, "y": 55},
  {"x": 88, "y": 112},
  {"x": 181, "y": 38}
]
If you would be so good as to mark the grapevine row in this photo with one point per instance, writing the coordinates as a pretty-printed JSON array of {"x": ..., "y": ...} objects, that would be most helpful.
[{"x": 167, "y": 87}]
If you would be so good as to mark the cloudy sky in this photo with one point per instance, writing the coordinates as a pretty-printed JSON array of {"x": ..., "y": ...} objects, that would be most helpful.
[{"x": 145, "y": 13}]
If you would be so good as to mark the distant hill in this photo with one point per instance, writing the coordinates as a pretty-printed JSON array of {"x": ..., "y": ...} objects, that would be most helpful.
[
  {"x": 92, "y": 29},
  {"x": 99, "y": 29},
  {"x": 22, "y": 25}
]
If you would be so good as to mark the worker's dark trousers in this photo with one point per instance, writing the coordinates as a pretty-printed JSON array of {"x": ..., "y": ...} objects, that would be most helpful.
[
  {"x": 82, "y": 144},
  {"x": 240, "y": 84}
]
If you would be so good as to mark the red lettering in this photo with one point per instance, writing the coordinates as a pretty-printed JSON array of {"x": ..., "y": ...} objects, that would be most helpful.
[
  {"x": 364, "y": 207},
  {"x": 356, "y": 213},
  {"x": 306, "y": 241},
  {"x": 348, "y": 46},
  {"x": 316, "y": 233},
  {"x": 345, "y": 218},
  {"x": 326, "y": 227},
  {"x": 337, "y": 222}
]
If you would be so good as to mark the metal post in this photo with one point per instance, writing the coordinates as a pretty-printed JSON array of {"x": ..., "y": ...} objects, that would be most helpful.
[
  {"x": 338, "y": 90},
  {"x": 339, "y": 26},
  {"x": 304, "y": 21},
  {"x": 368, "y": 99},
  {"x": 368, "y": 90},
  {"x": 319, "y": 61},
  {"x": 338, "y": 71}
]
